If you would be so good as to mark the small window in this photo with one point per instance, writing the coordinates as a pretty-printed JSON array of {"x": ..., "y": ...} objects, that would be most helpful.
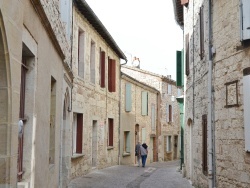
[
  {"x": 77, "y": 133},
  {"x": 170, "y": 113},
  {"x": 111, "y": 132},
  {"x": 245, "y": 20},
  {"x": 204, "y": 144},
  {"x": 169, "y": 89},
  {"x": 179, "y": 92},
  {"x": 168, "y": 143},
  {"x": 126, "y": 148}
]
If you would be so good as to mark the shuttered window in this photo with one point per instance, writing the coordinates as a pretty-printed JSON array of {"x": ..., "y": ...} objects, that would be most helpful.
[
  {"x": 245, "y": 20},
  {"x": 201, "y": 33},
  {"x": 102, "y": 69},
  {"x": 169, "y": 143},
  {"x": 128, "y": 98},
  {"x": 144, "y": 101},
  {"x": 187, "y": 54},
  {"x": 179, "y": 69},
  {"x": 169, "y": 89},
  {"x": 77, "y": 133},
  {"x": 204, "y": 144},
  {"x": 111, "y": 132},
  {"x": 111, "y": 75}
]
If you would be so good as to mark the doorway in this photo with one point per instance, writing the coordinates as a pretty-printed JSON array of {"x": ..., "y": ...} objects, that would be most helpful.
[
  {"x": 94, "y": 143},
  {"x": 175, "y": 146}
]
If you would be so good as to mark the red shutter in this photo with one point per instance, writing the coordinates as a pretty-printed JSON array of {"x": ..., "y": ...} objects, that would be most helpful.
[
  {"x": 111, "y": 132},
  {"x": 111, "y": 75},
  {"x": 102, "y": 69},
  {"x": 79, "y": 133}
]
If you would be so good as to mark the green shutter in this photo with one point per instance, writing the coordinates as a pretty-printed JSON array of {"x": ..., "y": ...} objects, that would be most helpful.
[
  {"x": 179, "y": 69},
  {"x": 144, "y": 103},
  {"x": 128, "y": 98}
]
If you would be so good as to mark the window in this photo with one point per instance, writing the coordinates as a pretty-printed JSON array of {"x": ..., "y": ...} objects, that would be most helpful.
[
  {"x": 179, "y": 68},
  {"x": 204, "y": 144},
  {"x": 102, "y": 69},
  {"x": 77, "y": 133},
  {"x": 153, "y": 117},
  {"x": 52, "y": 122},
  {"x": 168, "y": 143},
  {"x": 187, "y": 54},
  {"x": 245, "y": 20},
  {"x": 111, "y": 132},
  {"x": 201, "y": 33},
  {"x": 144, "y": 103},
  {"x": 126, "y": 148},
  {"x": 81, "y": 49},
  {"x": 128, "y": 98},
  {"x": 92, "y": 62},
  {"x": 111, "y": 75},
  {"x": 179, "y": 92},
  {"x": 169, "y": 89}
]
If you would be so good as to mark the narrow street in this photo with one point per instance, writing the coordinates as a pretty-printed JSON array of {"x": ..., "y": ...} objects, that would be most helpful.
[{"x": 155, "y": 175}]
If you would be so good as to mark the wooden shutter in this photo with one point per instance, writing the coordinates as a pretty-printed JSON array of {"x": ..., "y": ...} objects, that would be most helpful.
[
  {"x": 187, "y": 54},
  {"x": 112, "y": 75},
  {"x": 245, "y": 19},
  {"x": 201, "y": 33},
  {"x": 102, "y": 64},
  {"x": 79, "y": 133},
  {"x": 204, "y": 144},
  {"x": 111, "y": 131},
  {"x": 179, "y": 67},
  {"x": 144, "y": 102},
  {"x": 128, "y": 98}
]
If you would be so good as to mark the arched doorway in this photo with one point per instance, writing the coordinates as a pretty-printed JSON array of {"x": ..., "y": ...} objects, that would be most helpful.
[{"x": 5, "y": 103}]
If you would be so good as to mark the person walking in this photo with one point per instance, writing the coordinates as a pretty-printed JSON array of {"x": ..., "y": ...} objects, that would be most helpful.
[
  {"x": 144, "y": 153},
  {"x": 138, "y": 152}
]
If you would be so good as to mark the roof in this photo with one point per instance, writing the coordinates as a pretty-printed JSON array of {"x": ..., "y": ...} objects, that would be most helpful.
[
  {"x": 178, "y": 12},
  {"x": 89, "y": 14},
  {"x": 162, "y": 77},
  {"x": 124, "y": 76}
]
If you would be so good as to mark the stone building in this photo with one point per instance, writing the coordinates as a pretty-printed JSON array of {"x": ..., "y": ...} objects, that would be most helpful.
[
  {"x": 217, "y": 107},
  {"x": 139, "y": 119},
  {"x": 169, "y": 115},
  {"x": 35, "y": 84},
  {"x": 96, "y": 58}
]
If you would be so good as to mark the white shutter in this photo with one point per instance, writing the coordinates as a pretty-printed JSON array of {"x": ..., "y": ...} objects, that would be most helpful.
[
  {"x": 245, "y": 19},
  {"x": 246, "y": 102}
]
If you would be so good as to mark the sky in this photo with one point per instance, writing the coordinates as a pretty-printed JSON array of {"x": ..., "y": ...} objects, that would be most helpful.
[{"x": 144, "y": 30}]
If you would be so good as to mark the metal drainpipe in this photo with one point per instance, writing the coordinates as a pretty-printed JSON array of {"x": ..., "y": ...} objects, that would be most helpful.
[
  {"x": 210, "y": 129},
  {"x": 119, "y": 128}
]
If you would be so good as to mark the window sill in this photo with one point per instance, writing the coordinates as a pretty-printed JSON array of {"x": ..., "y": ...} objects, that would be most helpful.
[
  {"x": 110, "y": 147},
  {"x": 77, "y": 155},
  {"x": 125, "y": 154}
]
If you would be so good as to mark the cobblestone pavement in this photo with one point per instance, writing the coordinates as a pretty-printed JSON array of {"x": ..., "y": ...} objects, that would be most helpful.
[{"x": 155, "y": 175}]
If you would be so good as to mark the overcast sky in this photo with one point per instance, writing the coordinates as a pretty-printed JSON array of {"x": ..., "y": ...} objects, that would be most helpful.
[{"x": 145, "y": 29}]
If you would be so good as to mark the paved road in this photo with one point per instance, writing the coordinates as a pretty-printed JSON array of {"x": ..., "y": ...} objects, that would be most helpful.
[{"x": 155, "y": 175}]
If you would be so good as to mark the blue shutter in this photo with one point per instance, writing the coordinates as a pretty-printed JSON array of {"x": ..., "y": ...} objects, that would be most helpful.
[
  {"x": 128, "y": 98},
  {"x": 245, "y": 19},
  {"x": 144, "y": 105}
]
